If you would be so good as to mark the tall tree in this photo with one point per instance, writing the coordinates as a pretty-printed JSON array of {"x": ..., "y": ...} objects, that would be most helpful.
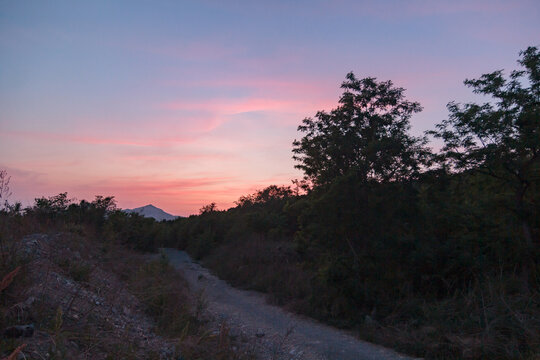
[
  {"x": 5, "y": 191},
  {"x": 501, "y": 137},
  {"x": 367, "y": 133}
]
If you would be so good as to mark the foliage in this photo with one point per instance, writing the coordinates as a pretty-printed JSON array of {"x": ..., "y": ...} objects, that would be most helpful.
[
  {"x": 165, "y": 300},
  {"x": 500, "y": 138},
  {"x": 70, "y": 320},
  {"x": 208, "y": 208},
  {"x": 426, "y": 259},
  {"x": 271, "y": 193},
  {"x": 53, "y": 205},
  {"x": 365, "y": 134}
]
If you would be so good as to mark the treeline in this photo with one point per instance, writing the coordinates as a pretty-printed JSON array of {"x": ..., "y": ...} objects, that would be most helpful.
[
  {"x": 434, "y": 253},
  {"x": 99, "y": 218}
]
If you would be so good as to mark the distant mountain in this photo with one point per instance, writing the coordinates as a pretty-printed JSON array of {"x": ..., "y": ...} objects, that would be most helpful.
[{"x": 152, "y": 211}]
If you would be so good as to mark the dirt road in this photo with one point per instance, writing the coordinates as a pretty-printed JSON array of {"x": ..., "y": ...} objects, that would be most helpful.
[{"x": 282, "y": 335}]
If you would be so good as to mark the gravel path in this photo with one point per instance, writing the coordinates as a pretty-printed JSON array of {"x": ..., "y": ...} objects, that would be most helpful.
[{"x": 283, "y": 335}]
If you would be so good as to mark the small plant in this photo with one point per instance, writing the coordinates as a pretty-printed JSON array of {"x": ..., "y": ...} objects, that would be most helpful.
[
  {"x": 15, "y": 354},
  {"x": 58, "y": 321},
  {"x": 8, "y": 279},
  {"x": 79, "y": 272}
]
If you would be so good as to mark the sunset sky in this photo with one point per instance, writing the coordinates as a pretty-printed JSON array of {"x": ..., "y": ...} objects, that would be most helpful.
[{"x": 181, "y": 103}]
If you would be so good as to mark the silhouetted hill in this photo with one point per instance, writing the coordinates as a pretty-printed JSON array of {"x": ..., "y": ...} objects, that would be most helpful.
[{"x": 152, "y": 211}]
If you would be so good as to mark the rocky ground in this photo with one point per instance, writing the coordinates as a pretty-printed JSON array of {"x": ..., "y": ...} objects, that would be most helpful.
[{"x": 75, "y": 308}]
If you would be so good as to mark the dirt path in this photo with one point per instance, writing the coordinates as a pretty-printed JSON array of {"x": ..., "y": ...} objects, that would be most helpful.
[{"x": 282, "y": 335}]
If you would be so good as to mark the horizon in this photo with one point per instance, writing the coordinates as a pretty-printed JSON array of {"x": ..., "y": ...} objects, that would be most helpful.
[{"x": 183, "y": 104}]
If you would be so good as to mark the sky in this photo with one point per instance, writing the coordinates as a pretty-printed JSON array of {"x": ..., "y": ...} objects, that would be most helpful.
[{"x": 183, "y": 103}]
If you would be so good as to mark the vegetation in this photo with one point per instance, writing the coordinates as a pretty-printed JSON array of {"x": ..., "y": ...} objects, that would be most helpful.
[
  {"x": 366, "y": 135},
  {"x": 434, "y": 254},
  {"x": 60, "y": 272}
]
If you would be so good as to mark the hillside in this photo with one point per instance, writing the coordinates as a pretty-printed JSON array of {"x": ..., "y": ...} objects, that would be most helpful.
[{"x": 64, "y": 294}]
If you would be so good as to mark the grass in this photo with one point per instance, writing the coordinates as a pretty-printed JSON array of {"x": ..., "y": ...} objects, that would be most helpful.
[
  {"x": 492, "y": 319},
  {"x": 268, "y": 266},
  {"x": 180, "y": 314},
  {"x": 91, "y": 261}
]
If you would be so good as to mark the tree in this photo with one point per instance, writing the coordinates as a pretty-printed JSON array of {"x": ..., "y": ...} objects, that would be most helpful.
[
  {"x": 5, "y": 191},
  {"x": 500, "y": 138},
  {"x": 53, "y": 205},
  {"x": 105, "y": 204},
  {"x": 266, "y": 195},
  {"x": 366, "y": 133},
  {"x": 208, "y": 209},
  {"x": 94, "y": 212}
]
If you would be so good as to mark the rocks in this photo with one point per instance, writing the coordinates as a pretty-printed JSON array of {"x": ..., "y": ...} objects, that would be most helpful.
[
  {"x": 167, "y": 353},
  {"x": 101, "y": 304},
  {"x": 18, "y": 331},
  {"x": 32, "y": 245}
]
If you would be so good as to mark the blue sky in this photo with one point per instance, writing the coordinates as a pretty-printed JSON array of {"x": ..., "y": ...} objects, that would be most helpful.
[{"x": 180, "y": 103}]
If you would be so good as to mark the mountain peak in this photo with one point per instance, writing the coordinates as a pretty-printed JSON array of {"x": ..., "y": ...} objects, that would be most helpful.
[
  {"x": 151, "y": 211},
  {"x": 149, "y": 206}
]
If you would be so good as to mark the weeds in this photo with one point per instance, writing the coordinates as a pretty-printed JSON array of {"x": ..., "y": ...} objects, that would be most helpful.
[
  {"x": 77, "y": 288},
  {"x": 15, "y": 353},
  {"x": 78, "y": 271},
  {"x": 8, "y": 279},
  {"x": 182, "y": 315}
]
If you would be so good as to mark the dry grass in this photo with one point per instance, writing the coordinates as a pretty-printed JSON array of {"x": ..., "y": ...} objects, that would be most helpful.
[
  {"x": 181, "y": 314},
  {"x": 8, "y": 278},
  {"x": 267, "y": 266},
  {"x": 80, "y": 286},
  {"x": 493, "y": 319},
  {"x": 487, "y": 322},
  {"x": 15, "y": 353}
]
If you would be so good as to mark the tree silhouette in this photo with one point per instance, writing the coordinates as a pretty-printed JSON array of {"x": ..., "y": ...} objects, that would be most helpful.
[
  {"x": 366, "y": 133},
  {"x": 500, "y": 138},
  {"x": 206, "y": 209}
]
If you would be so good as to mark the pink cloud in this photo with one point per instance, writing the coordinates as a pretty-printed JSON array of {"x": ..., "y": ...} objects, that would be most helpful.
[
  {"x": 178, "y": 196},
  {"x": 222, "y": 109},
  {"x": 232, "y": 106},
  {"x": 301, "y": 97},
  {"x": 96, "y": 140},
  {"x": 262, "y": 86},
  {"x": 174, "y": 157},
  {"x": 182, "y": 197}
]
